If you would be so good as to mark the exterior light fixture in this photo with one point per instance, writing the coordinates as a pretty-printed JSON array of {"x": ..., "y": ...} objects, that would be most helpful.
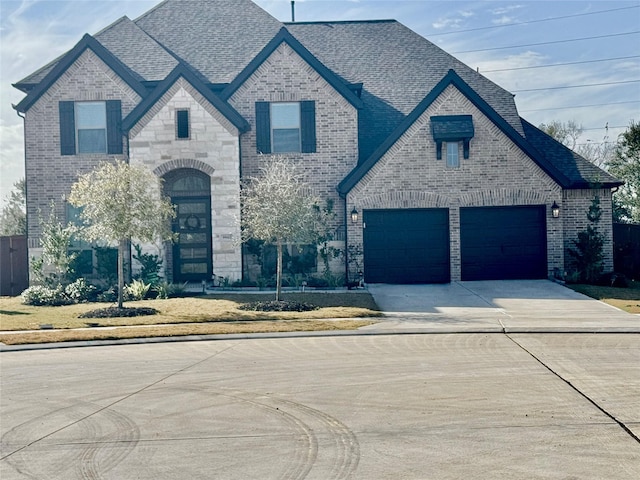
[
  {"x": 354, "y": 215},
  {"x": 555, "y": 210}
]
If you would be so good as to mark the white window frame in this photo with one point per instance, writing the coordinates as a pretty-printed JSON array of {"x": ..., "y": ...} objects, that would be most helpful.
[
  {"x": 79, "y": 128},
  {"x": 453, "y": 154},
  {"x": 275, "y": 105}
]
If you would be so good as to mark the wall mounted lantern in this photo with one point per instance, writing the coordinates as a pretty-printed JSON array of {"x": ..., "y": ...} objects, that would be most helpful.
[
  {"x": 555, "y": 210},
  {"x": 354, "y": 215}
]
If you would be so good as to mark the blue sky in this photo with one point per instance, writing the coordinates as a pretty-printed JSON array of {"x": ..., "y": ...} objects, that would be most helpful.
[{"x": 597, "y": 41}]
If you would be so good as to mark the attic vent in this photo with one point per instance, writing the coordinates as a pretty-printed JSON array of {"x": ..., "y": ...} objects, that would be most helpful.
[{"x": 452, "y": 128}]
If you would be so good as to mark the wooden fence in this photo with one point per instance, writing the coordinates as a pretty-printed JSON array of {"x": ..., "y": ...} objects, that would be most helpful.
[
  {"x": 626, "y": 249},
  {"x": 14, "y": 265}
]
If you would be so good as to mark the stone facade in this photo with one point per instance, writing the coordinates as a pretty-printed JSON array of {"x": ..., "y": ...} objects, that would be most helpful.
[
  {"x": 497, "y": 173},
  {"x": 212, "y": 148}
]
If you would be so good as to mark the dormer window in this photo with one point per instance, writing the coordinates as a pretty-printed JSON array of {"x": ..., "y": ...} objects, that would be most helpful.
[{"x": 452, "y": 129}]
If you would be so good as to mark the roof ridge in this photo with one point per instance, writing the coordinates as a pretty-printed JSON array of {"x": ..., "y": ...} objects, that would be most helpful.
[{"x": 320, "y": 22}]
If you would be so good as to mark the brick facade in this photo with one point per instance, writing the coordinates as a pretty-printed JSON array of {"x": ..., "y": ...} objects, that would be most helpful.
[
  {"x": 88, "y": 79},
  {"x": 497, "y": 173}
]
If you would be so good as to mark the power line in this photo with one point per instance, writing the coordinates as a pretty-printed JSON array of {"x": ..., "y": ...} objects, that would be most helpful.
[
  {"x": 579, "y": 106},
  {"x": 550, "y": 43},
  {"x": 575, "y": 86},
  {"x": 532, "y": 21},
  {"x": 560, "y": 64}
]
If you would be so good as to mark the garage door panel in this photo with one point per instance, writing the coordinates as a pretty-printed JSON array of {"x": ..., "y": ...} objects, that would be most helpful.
[
  {"x": 406, "y": 246},
  {"x": 503, "y": 242}
]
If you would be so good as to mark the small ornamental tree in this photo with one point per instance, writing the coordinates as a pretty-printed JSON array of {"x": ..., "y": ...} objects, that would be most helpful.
[
  {"x": 121, "y": 203},
  {"x": 13, "y": 217},
  {"x": 279, "y": 208},
  {"x": 625, "y": 165},
  {"x": 588, "y": 255}
]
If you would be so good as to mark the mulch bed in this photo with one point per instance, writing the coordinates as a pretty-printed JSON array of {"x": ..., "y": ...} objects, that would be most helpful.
[{"x": 111, "y": 312}]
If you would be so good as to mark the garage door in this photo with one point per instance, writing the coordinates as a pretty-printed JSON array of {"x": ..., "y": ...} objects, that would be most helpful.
[
  {"x": 500, "y": 243},
  {"x": 406, "y": 246}
]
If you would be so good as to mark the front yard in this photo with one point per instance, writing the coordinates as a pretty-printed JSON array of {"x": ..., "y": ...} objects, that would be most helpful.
[
  {"x": 210, "y": 314},
  {"x": 627, "y": 299}
]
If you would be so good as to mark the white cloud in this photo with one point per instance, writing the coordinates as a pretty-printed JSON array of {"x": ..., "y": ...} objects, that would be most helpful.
[
  {"x": 505, "y": 9},
  {"x": 503, "y": 20}
]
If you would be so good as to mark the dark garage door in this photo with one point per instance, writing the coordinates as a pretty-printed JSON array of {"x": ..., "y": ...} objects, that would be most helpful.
[
  {"x": 503, "y": 243},
  {"x": 406, "y": 246}
]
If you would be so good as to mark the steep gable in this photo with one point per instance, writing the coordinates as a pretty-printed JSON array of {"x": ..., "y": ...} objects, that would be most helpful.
[
  {"x": 452, "y": 78},
  {"x": 148, "y": 59},
  {"x": 90, "y": 43},
  {"x": 181, "y": 71},
  {"x": 397, "y": 68},
  {"x": 217, "y": 38}
]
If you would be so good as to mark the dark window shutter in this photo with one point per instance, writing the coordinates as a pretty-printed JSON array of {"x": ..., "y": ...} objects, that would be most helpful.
[
  {"x": 308, "y": 126},
  {"x": 263, "y": 127},
  {"x": 114, "y": 127},
  {"x": 67, "y": 128}
]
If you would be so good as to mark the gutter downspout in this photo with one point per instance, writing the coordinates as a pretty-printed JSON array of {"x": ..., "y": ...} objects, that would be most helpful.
[
  {"x": 346, "y": 243},
  {"x": 26, "y": 187}
]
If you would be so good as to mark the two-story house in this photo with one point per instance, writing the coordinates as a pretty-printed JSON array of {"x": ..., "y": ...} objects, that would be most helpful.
[{"x": 433, "y": 174}]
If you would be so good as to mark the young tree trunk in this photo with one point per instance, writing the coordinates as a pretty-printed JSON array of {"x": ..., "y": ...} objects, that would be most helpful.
[
  {"x": 279, "y": 272},
  {"x": 121, "y": 249}
]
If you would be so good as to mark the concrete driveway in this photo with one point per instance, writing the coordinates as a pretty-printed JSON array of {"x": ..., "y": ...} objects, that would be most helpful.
[{"x": 505, "y": 305}]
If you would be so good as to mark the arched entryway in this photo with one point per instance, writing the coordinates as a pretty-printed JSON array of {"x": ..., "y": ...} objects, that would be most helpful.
[{"x": 190, "y": 192}]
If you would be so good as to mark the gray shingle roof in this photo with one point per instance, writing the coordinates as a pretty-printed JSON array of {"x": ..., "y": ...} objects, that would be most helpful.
[
  {"x": 216, "y": 37},
  {"x": 148, "y": 59},
  {"x": 580, "y": 171},
  {"x": 398, "y": 68}
]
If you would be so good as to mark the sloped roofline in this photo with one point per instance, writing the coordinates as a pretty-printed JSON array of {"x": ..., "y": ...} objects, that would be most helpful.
[
  {"x": 181, "y": 70},
  {"x": 451, "y": 78},
  {"x": 285, "y": 36},
  {"x": 87, "y": 42}
]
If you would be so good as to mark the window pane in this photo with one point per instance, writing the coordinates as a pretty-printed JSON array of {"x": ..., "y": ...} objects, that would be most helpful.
[
  {"x": 286, "y": 140},
  {"x": 91, "y": 115},
  {"x": 187, "y": 238},
  {"x": 92, "y": 141},
  {"x": 193, "y": 253},
  {"x": 452, "y": 155},
  {"x": 183, "y": 123},
  {"x": 285, "y": 115},
  {"x": 190, "y": 184},
  {"x": 188, "y": 208},
  {"x": 193, "y": 268}
]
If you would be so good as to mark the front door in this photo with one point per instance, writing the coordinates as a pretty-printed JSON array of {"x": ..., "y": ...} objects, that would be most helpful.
[{"x": 190, "y": 192}]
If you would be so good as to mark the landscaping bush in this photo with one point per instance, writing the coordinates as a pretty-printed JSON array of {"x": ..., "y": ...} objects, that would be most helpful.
[
  {"x": 137, "y": 290},
  {"x": 111, "y": 312},
  {"x": 39, "y": 295},
  {"x": 81, "y": 291},
  {"x": 278, "y": 306}
]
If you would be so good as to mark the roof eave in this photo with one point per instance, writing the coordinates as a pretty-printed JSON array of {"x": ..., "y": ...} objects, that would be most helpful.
[
  {"x": 163, "y": 86},
  {"x": 285, "y": 36},
  {"x": 451, "y": 78},
  {"x": 87, "y": 42}
]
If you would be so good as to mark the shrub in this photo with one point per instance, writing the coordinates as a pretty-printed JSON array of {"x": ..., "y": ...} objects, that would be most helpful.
[
  {"x": 150, "y": 266},
  {"x": 111, "y": 312},
  {"x": 137, "y": 290},
  {"x": 278, "y": 306},
  {"x": 81, "y": 291},
  {"x": 39, "y": 295},
  {"x": 170, "y": 290}
]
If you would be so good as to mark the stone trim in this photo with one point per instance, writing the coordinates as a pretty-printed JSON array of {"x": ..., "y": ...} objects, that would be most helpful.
[{"x": 166, "y": 167}]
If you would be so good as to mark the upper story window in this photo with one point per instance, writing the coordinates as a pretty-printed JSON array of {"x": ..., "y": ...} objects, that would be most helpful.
[
  {"x": 90, "y": 127},
  {"x": 286, "y": 127},
  {"x": 452, "y": 129},
  {"x": 182, "y": 124},
  {"x": 453, "y": 159}
]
